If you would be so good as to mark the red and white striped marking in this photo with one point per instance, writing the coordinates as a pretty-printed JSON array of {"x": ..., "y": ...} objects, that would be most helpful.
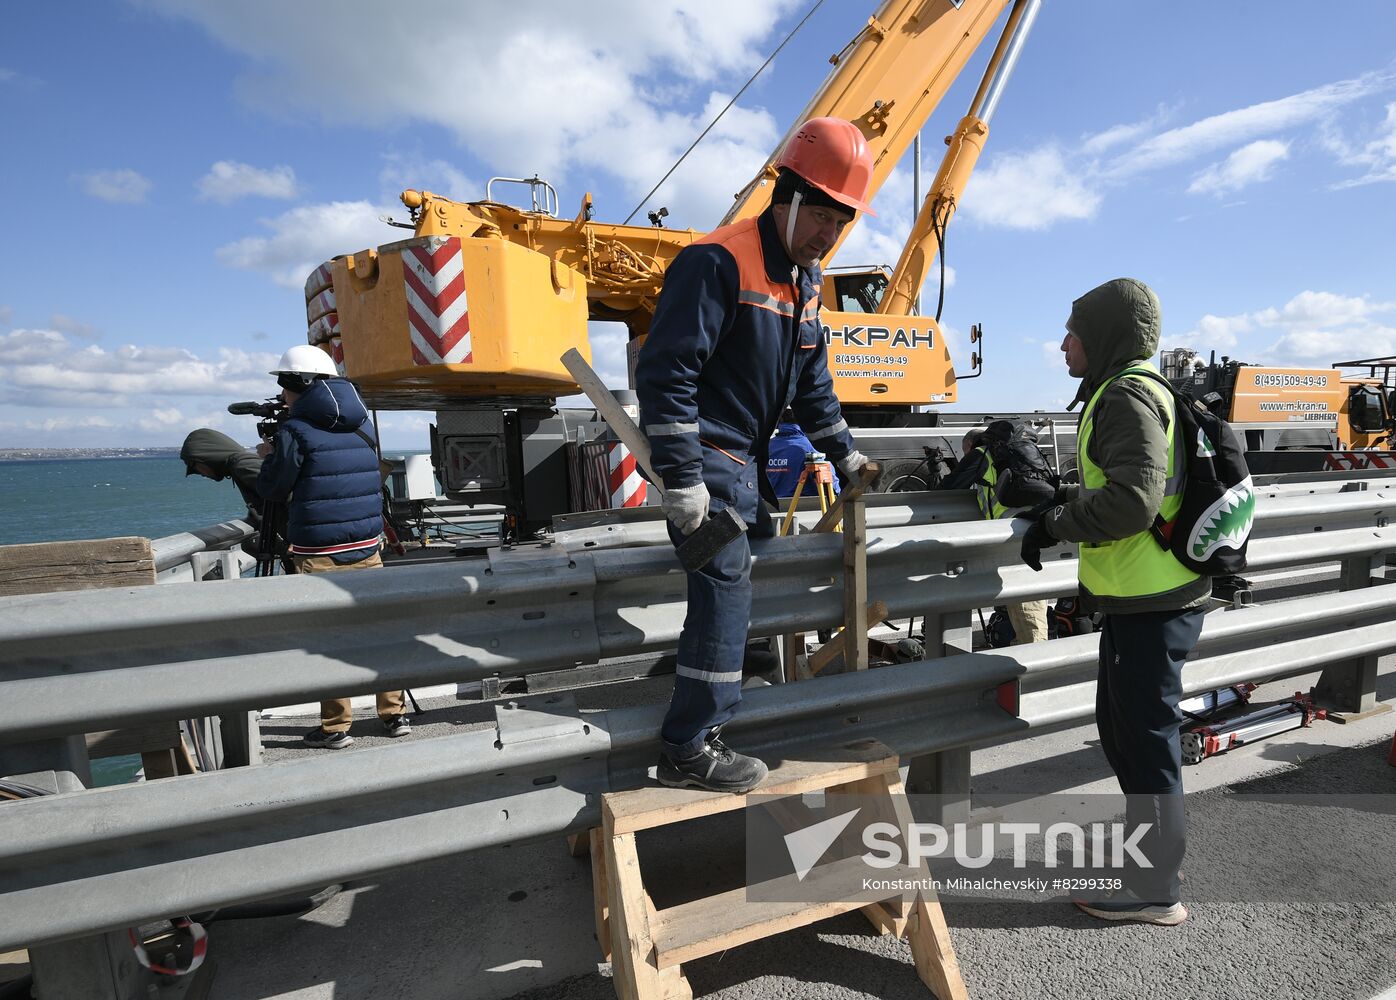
[
  {"x": 321, "y": 305},
  {"x": 627, "y": 485},
  {"x": 337, "y": 354},
  {"x": 324, "y": 329},
  {"x": 1353, "y": 461},
  {"x": 438, "y": 321},
  {"x": 196, "y": 933},
  {"x": 320, "y": 279}
]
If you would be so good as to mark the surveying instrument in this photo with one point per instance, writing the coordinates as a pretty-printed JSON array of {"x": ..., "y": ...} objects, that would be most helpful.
[{"x": 819, "y": 471}]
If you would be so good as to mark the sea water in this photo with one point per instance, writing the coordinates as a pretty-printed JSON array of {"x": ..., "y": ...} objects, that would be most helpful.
[{"x": 52, "y": 500}]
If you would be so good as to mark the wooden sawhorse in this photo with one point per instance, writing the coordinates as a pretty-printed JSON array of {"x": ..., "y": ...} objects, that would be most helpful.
[{"x": 646, "y": 947}]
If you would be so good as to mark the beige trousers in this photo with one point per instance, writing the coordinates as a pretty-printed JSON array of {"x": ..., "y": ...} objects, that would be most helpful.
[
  {"x": 336, "y": 715},
  {"x": 1029, "y": 621}
]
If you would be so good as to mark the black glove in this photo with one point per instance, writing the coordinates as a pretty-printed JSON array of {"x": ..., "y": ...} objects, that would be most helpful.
[{"x": 1036, "y": 539}]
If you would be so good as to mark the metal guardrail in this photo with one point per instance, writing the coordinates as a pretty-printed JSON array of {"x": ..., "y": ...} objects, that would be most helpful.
[
  {"x": 83, "y": 862},
  {"x": 189, "y": 555}
]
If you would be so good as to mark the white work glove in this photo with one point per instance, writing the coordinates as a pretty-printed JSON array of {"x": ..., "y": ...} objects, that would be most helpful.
[
  {"x": 687, "y": 507},
  {"x": 852, "y": 464}
]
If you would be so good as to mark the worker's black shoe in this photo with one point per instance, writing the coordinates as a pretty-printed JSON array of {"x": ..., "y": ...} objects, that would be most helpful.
[
  {"x": 397, "y": 725},
  {"x": 1124, "y": 905},
  {"x": 717, "y": 768},
  {"x": 323, "y": 740}
]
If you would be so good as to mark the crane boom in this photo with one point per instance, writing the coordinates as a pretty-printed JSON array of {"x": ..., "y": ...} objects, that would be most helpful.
[{"x": 485, "y": 297}]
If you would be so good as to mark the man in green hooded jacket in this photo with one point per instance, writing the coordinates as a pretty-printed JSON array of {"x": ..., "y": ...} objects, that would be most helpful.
[{"x": 1131, "y": 473}]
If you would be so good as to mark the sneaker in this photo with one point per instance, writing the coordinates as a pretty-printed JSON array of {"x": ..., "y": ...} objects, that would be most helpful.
[
  {"x": 322, "y": 740},
  {"x": 716, "y": 768},
  {"x": 398, "y": 726},
  {"x": 1123, "y": 905}
]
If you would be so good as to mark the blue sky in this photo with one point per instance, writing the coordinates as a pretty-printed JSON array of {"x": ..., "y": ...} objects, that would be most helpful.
[{"x": 174, "y": 169}]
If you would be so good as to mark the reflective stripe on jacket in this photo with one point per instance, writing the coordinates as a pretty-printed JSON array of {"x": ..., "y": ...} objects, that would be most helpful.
[
  {"x": 736, "y": 338},
  {"x": 1136, "y": 566}
]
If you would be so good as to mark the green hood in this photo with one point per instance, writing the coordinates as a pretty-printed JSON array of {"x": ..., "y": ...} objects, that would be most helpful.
[
  {"x": 218, "y": 451},
  {"x": 1118, "y": 324}
]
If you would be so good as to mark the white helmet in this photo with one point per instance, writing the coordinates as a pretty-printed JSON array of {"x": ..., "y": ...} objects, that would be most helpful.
[{"x": 306, "y": 360}]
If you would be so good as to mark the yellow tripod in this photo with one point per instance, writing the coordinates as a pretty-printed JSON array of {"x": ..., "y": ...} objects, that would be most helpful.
[{"x": 822, "y": 474}]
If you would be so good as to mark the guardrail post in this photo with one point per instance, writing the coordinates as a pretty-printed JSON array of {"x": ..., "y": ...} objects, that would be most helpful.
[
  {"x": 95, "y": 968},
  {"x": 947, "y": 773},
  {"x": 1349, "y": 689},
  {"x": 102, "y": 967},
  {"x": 240, "y": 735}
]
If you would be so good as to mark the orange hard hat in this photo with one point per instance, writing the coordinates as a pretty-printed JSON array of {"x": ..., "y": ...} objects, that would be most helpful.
[{"x": 832, "y": 155}]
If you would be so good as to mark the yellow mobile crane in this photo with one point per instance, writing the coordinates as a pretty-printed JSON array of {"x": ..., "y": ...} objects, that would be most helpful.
[{"x": 471, "y": 314}]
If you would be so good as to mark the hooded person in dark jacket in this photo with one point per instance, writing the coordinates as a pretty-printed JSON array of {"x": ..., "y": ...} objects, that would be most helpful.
[
  {"x": 324, "y": 462},
  {"x": 1132, "y": 473},
  {"x": 214, "y": 455}
]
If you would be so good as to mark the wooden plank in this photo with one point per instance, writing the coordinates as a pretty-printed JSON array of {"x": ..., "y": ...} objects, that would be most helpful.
[
  {"x": 646, "y": 808},
  {"x": 715, "y": 923},
  {"x": 600, "y": 893},
  {"x": 633, "y": 970},
  {"x": 882, "y": 917},
  {"x": 855, "y": 490},
  {"x": 826, "y": 654},
  {"x": 45, "y": 567},
  {"x": 855, "y": 586},
  {"x": 162, "y": 734},
  {"x": 933, "y": 953}
]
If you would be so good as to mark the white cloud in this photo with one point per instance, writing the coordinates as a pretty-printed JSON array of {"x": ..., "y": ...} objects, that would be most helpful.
[
  {"x": 879, "y": 239},
  {"x": 1212, "y": 333},
  {"x": 1266, "y": 118},
  {"x": 118, "y": 186},
  {"x": 163, "y": 419},
  {"x": 1250, "y": 164},
  {"x": 228, "y": 181},
  {"x": 1030, "y": 190},
  {"x": 1309, "y": 310},
  {"x": 1099, "y": 143},
  {"x": 579, "y": 78},
  {"x": 402, "y": 171},
  {"x": 1312, "y": 328},
  {"x": 42, "y": 366},
  {"x": 608, "y": 358},
  {"x": 1377, "y": 155},
  {"x": 1036, "y": 188},
  {"x": 74, "y": 328},
  {"x": 641, "y": 148},
  {"x": 305, "y": 237}
]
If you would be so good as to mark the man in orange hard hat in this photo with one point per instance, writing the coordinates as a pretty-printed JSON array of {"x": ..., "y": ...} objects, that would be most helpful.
[{"x": 736, "y": 339}]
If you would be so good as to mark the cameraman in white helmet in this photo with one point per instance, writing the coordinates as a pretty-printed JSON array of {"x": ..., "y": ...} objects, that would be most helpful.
[{"x": 323, "y": 462}]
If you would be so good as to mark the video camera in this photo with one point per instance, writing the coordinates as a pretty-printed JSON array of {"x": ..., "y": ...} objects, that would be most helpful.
[{"x": 272, "y": 411}]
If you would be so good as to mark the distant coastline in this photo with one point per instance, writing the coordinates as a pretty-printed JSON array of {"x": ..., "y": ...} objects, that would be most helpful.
[{"x": 50, "y": 454}]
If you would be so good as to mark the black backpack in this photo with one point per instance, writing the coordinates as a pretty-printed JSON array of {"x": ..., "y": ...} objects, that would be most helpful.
[
  {"x": 1023, "y": 476},
  {"x": 1213, "y": 527}
]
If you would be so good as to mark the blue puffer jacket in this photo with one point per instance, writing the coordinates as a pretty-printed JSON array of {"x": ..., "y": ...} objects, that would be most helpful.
[
  {"x": 786, "y": 461},
  {"x": 329, "y": 472},
  {"x": 736, "y": 338}
]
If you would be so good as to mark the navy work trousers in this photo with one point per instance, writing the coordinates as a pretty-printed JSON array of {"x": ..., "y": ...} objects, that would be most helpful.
[
  {"x": 1139, "y": 685},
  {"x": 712, "y": 645}
]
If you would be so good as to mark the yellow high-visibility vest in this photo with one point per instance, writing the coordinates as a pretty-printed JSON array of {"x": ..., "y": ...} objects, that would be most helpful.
[{"x": 1137, "y": 566}]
